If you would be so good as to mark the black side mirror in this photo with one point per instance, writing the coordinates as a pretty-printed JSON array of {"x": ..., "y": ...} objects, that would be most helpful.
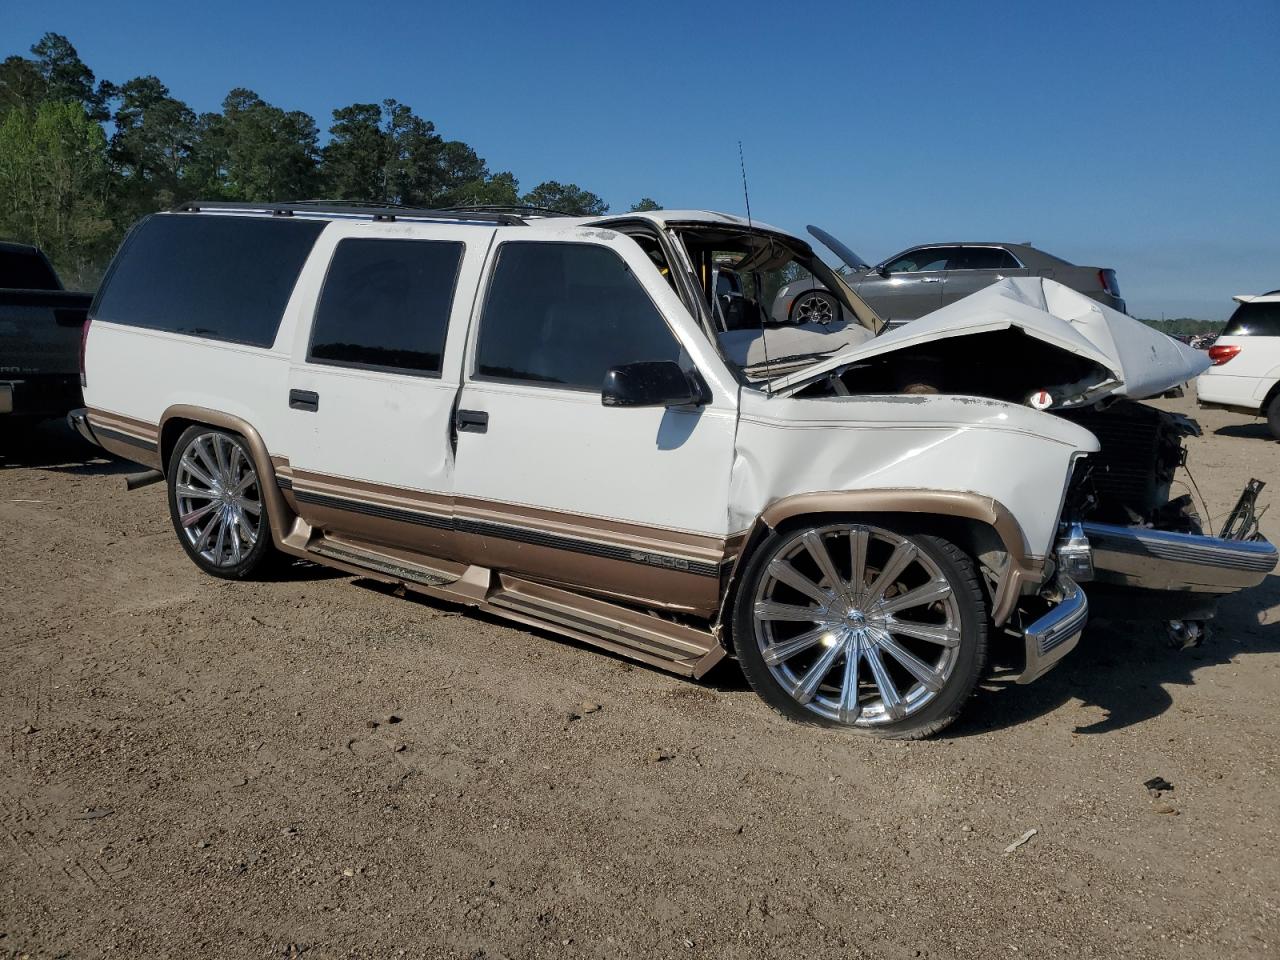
[
  {"x": 880, "y": 271},
  {"x": 652, "y": 383}
]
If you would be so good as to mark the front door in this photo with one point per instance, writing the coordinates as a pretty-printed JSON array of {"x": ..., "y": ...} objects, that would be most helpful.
[
  {"x": 910, "y": 286},
  {"x": 373, "y": 383},
  {"x": 551, "y": 484}
]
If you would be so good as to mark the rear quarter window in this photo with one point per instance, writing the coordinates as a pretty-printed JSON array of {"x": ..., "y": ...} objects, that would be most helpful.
[
  {"x": 1254, "y": 320},
  {"x": 220, "y": 277}
]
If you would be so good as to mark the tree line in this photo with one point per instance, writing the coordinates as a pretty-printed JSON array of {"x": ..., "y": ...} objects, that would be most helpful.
[{"x": 81, "y": 158}]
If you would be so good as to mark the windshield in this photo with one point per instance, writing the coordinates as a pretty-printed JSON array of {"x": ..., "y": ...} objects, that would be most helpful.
[{"x": 775, "y": 306}]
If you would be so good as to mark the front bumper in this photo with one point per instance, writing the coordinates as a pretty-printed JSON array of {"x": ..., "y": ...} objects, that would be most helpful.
[
  {"x": 1056, "y": 633},
  {"x": 1160, "y": 560}
]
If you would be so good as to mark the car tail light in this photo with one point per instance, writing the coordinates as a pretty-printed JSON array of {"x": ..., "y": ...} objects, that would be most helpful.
[
  {"x": 1221, "y": 353},
  {"x": 1108, "y": 282},
  {"x": 84, "y": 343}
]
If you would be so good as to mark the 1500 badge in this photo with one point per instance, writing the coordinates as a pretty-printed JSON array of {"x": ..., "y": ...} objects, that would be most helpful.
[{"x": 657, "y": 560}]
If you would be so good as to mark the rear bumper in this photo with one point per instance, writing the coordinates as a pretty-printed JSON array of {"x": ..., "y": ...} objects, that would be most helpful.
[
  {"x": 43, "y": 395},
  {"x": 78, "y": 420},
  {"x": 1057, "y": 632},
  {"x": 1226, "y": 391},
  {"x": 1159, "y": 560}
]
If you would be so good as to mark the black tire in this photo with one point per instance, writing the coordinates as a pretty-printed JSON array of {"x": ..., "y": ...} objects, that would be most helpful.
[
  {"x": 924, "y": 710},
  {"x": 799, "y": 313},
  {"x": 196, "y": 519},
  {"x": 1273, "y": 415}
]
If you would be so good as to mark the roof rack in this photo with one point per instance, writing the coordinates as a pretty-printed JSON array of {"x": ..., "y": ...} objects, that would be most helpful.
[
  {"x": 349, "y": 208},
  {"x": 515, "y": 208}
]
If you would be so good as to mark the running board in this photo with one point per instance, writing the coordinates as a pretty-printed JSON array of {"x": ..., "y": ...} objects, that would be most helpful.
[
  {"x": 672, "y": 646},
  {"x": 390, "y": 566}
]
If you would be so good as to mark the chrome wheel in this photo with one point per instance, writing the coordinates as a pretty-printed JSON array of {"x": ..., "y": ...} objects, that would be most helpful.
[
  {"x": 857, "y": 624},
  {"x": 814, "y": 308},
  {"x": 219, "y": 502}
]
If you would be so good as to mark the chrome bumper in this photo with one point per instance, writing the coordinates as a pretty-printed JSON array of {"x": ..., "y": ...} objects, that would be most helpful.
[
  {"x": 1055, "y": 634},
  {"x": 1159, "y": 560},
  {"x": 78, "y": 420}
]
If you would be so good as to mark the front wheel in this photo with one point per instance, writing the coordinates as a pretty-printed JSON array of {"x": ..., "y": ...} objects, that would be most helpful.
[
  {"x": 216, "y": 503},
  {"x": 857, "y": 626},
  {"x": 1273, "y": 415}
]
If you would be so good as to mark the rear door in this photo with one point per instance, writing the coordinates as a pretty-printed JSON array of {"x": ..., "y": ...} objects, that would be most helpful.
[
  {"x": 373, "y": 382},
  {"x": 972, "y": 268},
  {"x": 911, "y": 285},
  {"x": 553, "y": 485}
]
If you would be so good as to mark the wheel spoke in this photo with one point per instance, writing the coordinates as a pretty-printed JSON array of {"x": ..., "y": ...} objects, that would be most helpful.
[
  {"x": 928, "y": 676},
  {"x": 195, "y": 516},
  {"x": 234, "y": 534},
  {"x": 205, "y": 457},
  {"x": 776, "y": 653},
  {"x": 250, "y": 530},
  {"x": 818, "y": 550},
  {"x": 932, "y": 633},
  {"x": 889, "y": 697},
  {"x": 251, "y": 506},
  {"x": 808, "y": 685},
  {"x": 245, "y": 482},
  {"x": 202, "y": 541},
  {"x": 221, "y": 540},
  {"x": 220, "y": 455},
  {"x": 858, "y": 538},
  {"x": 188, "y": 464},
  {"x": 193, "y": 493},
  {"x": 784, "y": 572},
  {"x": 770, "y": 610},
  {"x": 901, "y": 558},
  {"x": 931, "y": 592},
  {"x": 850, "y": 709}
]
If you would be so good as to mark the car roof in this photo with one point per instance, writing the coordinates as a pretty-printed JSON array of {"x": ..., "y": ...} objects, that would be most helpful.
[
  {"x": 1271, "y": 296},
  {"x": 1029, "y": 255}
]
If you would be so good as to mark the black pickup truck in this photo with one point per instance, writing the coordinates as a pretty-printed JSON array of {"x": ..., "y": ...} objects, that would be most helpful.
[{"x": 41, "y": 326}]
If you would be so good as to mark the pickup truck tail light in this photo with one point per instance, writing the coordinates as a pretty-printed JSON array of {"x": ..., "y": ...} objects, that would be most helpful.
[
  {"x": 1221, "y": 353},
  {"x": 1107, "y": 279},
  {"x": 84, "y": 342}
]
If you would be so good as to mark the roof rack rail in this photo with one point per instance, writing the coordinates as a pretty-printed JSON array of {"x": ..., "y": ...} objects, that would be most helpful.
[
  {"x": 516, "y": 208},
  {"x": 348, "y": 208}
]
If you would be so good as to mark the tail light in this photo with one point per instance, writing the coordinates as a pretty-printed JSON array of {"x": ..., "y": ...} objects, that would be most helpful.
[
  {"x": 84, "y": 343},
  {"x": 1107, "y": 280},
  {"x": 1221, "y": 353}
]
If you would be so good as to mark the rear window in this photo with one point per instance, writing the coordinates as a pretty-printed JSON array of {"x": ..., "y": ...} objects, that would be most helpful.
[
  {"x": 386, "y": 305},
  {"x": 1254, "y": 320},
  {"x": 26, "y": 270},
  {"x": 225, "y": 278}
]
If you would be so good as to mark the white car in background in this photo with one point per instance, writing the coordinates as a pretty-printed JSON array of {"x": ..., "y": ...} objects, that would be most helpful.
[{"x": 1245, "y": 375}]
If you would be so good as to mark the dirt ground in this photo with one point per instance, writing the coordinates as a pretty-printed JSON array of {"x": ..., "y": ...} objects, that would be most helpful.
[{"x": 315, "y": 767}]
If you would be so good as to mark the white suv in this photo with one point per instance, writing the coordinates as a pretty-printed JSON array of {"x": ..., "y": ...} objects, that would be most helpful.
[
  {"x": 1245, "y": 375},
  {"x": 551, "y": 420}
]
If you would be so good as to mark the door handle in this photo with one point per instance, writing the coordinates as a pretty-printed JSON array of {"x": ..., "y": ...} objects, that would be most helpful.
[
  {"x": 930, "y": 279},
  {"x": 304, "y": 400},
  {"x": 472, "y": 421}
]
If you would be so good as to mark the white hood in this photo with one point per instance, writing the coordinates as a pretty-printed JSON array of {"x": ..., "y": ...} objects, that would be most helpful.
[{"x": 1142, "y": 362}]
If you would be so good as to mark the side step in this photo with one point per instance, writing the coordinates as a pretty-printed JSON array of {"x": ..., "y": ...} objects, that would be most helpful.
[{"x": 391, "y": 566}]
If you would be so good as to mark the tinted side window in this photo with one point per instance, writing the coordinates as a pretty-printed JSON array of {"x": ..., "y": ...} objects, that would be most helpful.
[
  {"x": 222, "y": 277},
  {"x": 24, "y": 270},
  {"x": 916, "y": 261},
  {"x": 982, "y": 258},
  {"x": 386, "y": 304},
  {"x": 564, "y": 313},
  {"x": 1254, "y": 320}
]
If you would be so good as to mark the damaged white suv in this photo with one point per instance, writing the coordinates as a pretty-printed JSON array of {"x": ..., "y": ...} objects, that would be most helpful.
[{"x": 565, "y": 422}]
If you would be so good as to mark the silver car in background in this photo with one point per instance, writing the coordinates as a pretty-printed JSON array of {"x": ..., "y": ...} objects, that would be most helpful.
[{"x": 924, "y": 278}]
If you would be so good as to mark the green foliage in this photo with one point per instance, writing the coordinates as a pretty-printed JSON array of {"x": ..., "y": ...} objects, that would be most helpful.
[
  {"x": 1185, "y": 325},
  {"x": 53, "y": 174},
  {"x": 70, "y": 190},
  {"x": 565, "y": 198},
  {"x": 645, "y": 204}
]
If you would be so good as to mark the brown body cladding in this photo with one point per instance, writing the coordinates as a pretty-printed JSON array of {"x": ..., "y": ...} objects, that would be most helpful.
[{"x": 126, "y": 437}]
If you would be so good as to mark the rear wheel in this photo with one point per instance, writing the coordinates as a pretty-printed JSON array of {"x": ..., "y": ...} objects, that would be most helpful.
[
  {"x": 216, "y": 503},
  {"x": 857, "y": 626},
  {"x": 815, "y": 307},
  {"x": 1273, "y": 415}
]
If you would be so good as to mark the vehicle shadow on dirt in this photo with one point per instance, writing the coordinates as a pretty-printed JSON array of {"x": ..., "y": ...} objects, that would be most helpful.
[
  {"x": 1248, "y": 431},
  {"x": 54, "y": 446},
  {"x": 1125, "y": 668}
]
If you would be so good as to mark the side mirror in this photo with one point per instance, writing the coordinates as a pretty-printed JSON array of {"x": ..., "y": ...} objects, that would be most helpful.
[
  {"x": 652, "y": 383},
  {"x": 880, "y": 271}
]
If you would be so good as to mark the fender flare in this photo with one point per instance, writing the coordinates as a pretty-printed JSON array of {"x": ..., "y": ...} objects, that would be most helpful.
[{"x": 1021, "y": 571}]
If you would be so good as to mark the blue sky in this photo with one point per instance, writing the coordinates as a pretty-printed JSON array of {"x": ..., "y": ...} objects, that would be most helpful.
[{"x": 1141, "y": 136}]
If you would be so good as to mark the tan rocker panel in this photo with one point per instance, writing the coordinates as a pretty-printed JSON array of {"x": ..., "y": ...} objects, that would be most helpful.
[{"x": 126, "y": 437}]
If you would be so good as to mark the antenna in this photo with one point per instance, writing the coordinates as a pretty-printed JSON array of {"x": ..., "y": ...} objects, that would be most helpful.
[{"x": 764, "y": 338}]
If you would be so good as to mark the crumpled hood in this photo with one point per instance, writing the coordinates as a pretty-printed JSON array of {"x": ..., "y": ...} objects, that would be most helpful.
[{"x": 1143, "y": 362}]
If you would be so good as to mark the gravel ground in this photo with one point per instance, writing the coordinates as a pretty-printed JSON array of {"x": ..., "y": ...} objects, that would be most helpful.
[{"x": 315, "y": 767}]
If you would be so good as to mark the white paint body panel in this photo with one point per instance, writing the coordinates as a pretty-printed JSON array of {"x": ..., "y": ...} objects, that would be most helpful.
[{"x": 1245, "y": 379}]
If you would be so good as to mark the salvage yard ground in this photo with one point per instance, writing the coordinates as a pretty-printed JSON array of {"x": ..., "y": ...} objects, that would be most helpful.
[{"x": 314, "y": 767}]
